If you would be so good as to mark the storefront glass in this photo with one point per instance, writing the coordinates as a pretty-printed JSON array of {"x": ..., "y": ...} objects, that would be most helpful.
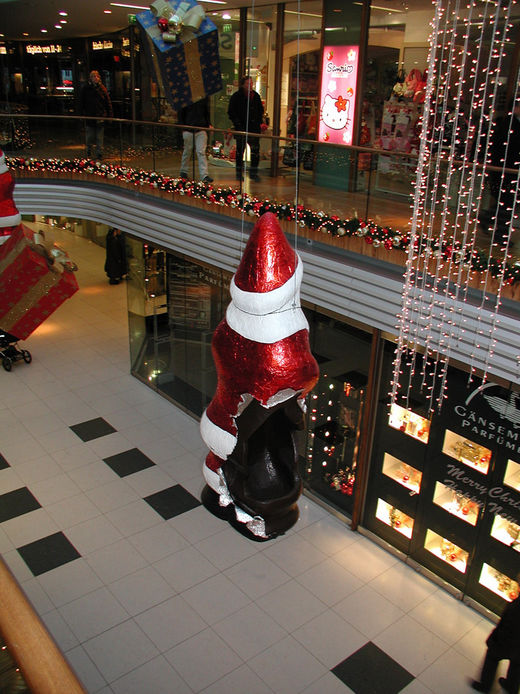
[
  {"x": 335, "y": 409},
  {"x": 444, "y": 487},
  {"x": 174, "y": 306}
]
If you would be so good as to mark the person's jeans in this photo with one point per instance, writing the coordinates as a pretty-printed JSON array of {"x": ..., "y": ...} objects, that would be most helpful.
[
  {"x": 94, "y": 136},
  {"x": 254, "y": 146},
  {"x": 487, "y": 676},
  {"x": 200, "y": 139}
]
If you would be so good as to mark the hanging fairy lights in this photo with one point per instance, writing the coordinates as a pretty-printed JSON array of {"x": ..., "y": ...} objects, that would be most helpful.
[{"x": 461, "y": 134}]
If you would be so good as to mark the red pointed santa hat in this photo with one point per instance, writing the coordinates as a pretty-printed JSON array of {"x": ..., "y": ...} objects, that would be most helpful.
[
  {"x": 9, "y": 215},
  {"x": 265, "y": 289}
]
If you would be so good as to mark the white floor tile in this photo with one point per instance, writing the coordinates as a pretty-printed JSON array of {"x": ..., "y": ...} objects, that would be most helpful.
[
  {"x": 170, "y": 623},
  {"x": 69, "y": 582},
  {"x": 185, "y": 568},
  {"x": 114, "y": 561},
  {"x": 226, "y": 547},
  {"x": 291, "y": 605},
  {"x": 329, "y": 638},
  {"x": 141, "y": 590},
  {"x": 404, "y": 586},
  {"x": 411, "y": 645},
  {"x": 87, "y": 672},
  {"x": 368, "y": 611},
  {"x": 249, "y": 631},
  {"x": 215, "y": 598},
  {"x": 91, "y": 535},
  {"x": 243, "y": 679},
  {"x": 294, "y": 555},
  {"x": 156, "y": 676},
  {"x": 120, "y": 650},
  {"x": 329, "y": 581},
  {"x": 432, "y": 611},
  {"x": 158, "y": 542},
  {"x": 287, "y": 667},
  {"x": 203, "y": 659},
  {"x": 257, "y": 575}
]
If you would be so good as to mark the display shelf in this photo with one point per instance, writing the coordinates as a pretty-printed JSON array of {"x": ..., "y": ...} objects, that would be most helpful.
[
  {"x": 499, "y": 583},
  {"x": 446, "y": 550},
  {"x": 506, "y": 532},
  {"x": 455, "y": 503},
  {"x": 512, "y": 476},
  {"x": 404, "y": 474},
  {"x": 396, "y": 519},
  {"x": 467, "y": 452},
  {"x": 409, "y": 423}
]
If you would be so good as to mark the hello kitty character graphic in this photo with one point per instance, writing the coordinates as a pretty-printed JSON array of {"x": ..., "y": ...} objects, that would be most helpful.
[{"x": 335, "y": 112}]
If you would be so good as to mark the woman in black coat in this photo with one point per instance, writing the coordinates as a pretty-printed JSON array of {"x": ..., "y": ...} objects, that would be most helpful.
[{"x": 115, "y": 263}]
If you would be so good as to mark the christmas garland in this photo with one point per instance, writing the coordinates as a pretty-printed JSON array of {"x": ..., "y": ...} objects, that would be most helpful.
[{"x": 472, "y": 259}]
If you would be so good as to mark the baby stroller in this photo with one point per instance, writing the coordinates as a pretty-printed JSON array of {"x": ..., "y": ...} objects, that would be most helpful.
[{"x": 9, "y": 352}]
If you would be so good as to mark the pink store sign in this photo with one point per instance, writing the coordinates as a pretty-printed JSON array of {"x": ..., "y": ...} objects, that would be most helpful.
[{"x": 338, "y": 94}]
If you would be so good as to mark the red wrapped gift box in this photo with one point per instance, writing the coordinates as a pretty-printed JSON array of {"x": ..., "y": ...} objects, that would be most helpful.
[{"x": 30, "y": 288}]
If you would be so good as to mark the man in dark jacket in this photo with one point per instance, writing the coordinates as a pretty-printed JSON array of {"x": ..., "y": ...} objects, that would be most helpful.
[
  {"x": 503, "y": 644},
  {"x": 246, "y": 112},
  {"x": 95, "y": 102},
  {"x": 196, "y": 114}
]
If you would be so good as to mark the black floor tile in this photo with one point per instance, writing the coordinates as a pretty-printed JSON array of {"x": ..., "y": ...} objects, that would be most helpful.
[
  {"x": 16, "y": 503},
  {"x": 128, "y": 462},
  {"x": 3, "y": 462},
  {"x": 371, "y": 671},
  {"x": 172, "y": 502},
  {"x": 92, "y": 429},
  {"x": 48, "y": 553}
]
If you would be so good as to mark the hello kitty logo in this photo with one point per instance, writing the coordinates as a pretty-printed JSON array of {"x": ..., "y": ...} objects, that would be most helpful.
[{"x": 335, "y": 112}]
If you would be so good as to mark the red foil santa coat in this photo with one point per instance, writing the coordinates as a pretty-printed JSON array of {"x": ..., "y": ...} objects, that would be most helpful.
[
  {"x": 261, "y": 348},
  {"x": 9, "y": 215}
]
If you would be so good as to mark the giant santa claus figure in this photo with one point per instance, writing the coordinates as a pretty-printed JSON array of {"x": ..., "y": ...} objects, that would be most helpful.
[
  {"x": 265, "y": 370},
  {"x": 9, "y": 215}
]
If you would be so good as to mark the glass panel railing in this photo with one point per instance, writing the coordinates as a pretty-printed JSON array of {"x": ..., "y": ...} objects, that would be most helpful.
[{"x": 330, "y": 189}]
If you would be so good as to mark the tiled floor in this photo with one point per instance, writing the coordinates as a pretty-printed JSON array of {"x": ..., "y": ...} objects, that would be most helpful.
[{"x": 144, "y": 591}]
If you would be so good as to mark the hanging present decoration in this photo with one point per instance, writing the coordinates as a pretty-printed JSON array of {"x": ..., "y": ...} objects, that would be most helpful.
[
  {"x": 35, "y": 281},
  {"x": 182, "y": 45}
]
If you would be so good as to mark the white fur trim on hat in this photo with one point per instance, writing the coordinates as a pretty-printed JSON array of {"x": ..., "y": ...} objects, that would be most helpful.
[
  {"x": 267, "y": 329},
  {"x": 261, "y": 303},
  {"x": 11, "y": 220},
  {"x": 221, "y": 442},
  {"x": 3, "y": 165}
]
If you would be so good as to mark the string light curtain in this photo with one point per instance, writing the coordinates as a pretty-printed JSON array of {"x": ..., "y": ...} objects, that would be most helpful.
[{"x": 464, "y": 193}]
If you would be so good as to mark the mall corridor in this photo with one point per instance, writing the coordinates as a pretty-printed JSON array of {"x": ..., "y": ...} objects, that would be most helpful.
[{"x": 144, "y": 590}]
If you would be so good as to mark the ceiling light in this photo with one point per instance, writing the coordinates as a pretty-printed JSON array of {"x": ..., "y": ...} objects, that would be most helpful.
[
  {"x": 63, "y": 21},
  {"x": 58, "y": 26},
  {"x": 25, "y": 34},
  {"x": 107, "y": 11},
  {"x": 216, "y": 2},
  {"x": 303, "y": 14},
  {"x": 63, "y": 14},
  {"x": 44, "y": 31},
  {"x": 226, "y": 15},
  {"x": 132, "y": 7}
]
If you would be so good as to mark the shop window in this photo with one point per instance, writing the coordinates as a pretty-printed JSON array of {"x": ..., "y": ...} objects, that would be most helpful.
[
  {"x": 507, "y": 532},
  {"x": 455, "y": 503},
  {"x": 446, "y": 550},
  {"x": 409, "y": 423},
  {"x": 512, "y": 476},
  {"x": 403, "y": 473},
  {"x": 499, "y": 583},
  {"x": 395, "y": 518},
  {"x": 468, "y": 452}
]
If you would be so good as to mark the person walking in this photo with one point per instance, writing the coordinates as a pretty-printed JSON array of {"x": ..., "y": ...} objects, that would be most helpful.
[
  {"x": 196, "y": 114},
  {"x": 95, "y": 102},
  {"x": 246, "y": 112},
  {"x": 115, "y": 263},
  {"x": 503, "y": 644}
]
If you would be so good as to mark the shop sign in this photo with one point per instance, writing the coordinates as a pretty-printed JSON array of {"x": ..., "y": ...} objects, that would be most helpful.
[
  {"x": 491, "y": 413},
  {"x": 339, "y": 70},
  {"x": 102, "y": 45},
  {"x": 34, "y": 48},
  {"x": 488, "y": 413}
]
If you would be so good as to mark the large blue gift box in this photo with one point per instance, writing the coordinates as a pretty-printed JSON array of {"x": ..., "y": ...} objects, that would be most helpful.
[{"x": 189, "y": 68}]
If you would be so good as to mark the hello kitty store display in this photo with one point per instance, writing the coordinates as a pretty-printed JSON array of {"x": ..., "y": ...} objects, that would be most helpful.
[{"x": 399, "y": 127}]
